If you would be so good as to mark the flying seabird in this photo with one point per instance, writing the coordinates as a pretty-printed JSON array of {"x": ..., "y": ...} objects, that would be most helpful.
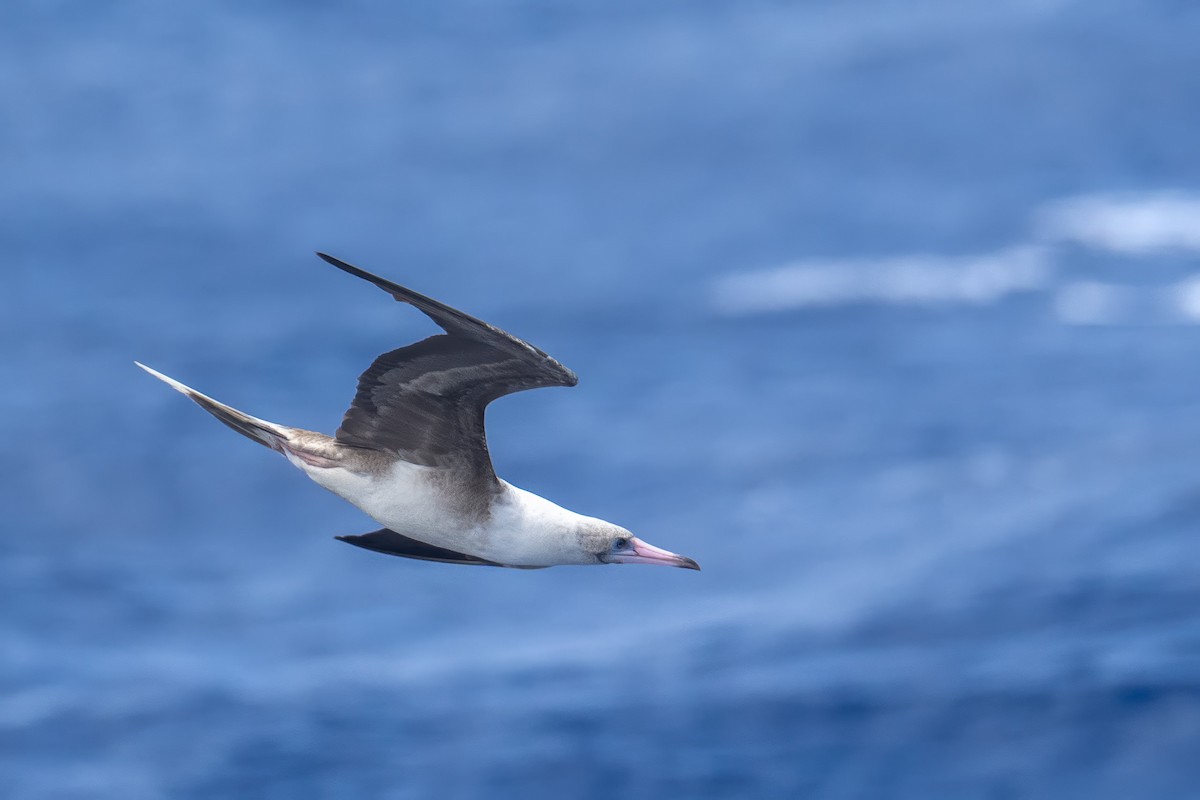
[{"x": 412, "y": 452}]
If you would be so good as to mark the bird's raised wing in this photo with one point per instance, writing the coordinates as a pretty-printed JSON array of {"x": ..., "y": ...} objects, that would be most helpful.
[{"x": 425, "y": 402}]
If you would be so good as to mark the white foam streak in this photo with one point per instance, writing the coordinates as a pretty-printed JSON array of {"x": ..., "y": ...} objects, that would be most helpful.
[
  {"x": 1129, "y": 225},
  {"x": 1185, "y": 297},
  {"x": 1134, "y": 224},
  {"x": 1101, "y": 303},
  {"x": 926, "y": 280}
]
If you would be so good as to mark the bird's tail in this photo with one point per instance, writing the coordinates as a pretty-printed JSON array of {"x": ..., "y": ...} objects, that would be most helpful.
[{"x": 265, "y": 433}]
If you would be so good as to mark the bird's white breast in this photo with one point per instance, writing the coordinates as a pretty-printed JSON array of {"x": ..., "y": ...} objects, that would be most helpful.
[
  {"x": 520, "y": 527},
  {"x": 525, "y": 529}
]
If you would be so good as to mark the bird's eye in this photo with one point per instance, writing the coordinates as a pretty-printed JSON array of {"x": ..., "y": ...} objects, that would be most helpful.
[{"x": 619, "y": 545}]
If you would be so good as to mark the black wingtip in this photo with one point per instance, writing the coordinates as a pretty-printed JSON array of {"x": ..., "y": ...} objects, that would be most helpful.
[
  {"x": 395, "y": 290},
  {"x": 342, "y": 265}
]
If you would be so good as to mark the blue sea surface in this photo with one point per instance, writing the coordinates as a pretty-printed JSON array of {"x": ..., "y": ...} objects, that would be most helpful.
[{"x": 887, "y": 313}]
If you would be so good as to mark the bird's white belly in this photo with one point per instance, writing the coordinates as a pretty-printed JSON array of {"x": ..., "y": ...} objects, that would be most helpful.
[
  {"x": 404, "y": 499},
  {"x": 520, "y": 528}
]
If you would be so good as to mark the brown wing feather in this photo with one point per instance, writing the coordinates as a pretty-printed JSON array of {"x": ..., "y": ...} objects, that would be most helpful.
[{"x": 425, "y": 402}]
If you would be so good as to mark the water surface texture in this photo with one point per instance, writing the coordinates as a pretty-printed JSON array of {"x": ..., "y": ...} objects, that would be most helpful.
[{"x": 887, "y": 313}]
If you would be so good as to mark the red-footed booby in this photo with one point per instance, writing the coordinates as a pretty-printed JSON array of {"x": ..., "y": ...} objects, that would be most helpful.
[{"x": 412, "y": 452}]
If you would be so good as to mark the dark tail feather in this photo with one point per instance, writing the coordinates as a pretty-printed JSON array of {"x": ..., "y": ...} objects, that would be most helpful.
[
  {"x": 239, "y": 422},
  {"x": 265, "y": 433}
]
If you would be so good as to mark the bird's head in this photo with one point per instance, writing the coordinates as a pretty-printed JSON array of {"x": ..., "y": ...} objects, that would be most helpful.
[{"x": 611, "y": 544}]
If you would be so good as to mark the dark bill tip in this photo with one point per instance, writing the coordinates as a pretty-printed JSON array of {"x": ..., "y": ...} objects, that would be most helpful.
[{"x": 639, "y": 552}]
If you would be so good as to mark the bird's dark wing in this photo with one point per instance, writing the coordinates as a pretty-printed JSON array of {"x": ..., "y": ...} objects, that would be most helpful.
[
  {"x": 425, "y": 402},
  {"x": 456, "y": 323},
  {"x": 397, "y": 544}
]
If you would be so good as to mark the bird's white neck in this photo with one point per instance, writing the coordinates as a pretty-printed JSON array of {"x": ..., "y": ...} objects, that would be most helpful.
[{"x": 527, "y": 530}]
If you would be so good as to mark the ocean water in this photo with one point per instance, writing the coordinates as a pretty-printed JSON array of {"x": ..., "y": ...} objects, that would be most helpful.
[{"x": 887, "y": 313}]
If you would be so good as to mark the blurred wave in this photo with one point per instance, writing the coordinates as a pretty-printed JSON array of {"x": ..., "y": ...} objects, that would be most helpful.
[
  {"x": 1134, "y": 226},
  {"x": 910, "y": 280}
]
